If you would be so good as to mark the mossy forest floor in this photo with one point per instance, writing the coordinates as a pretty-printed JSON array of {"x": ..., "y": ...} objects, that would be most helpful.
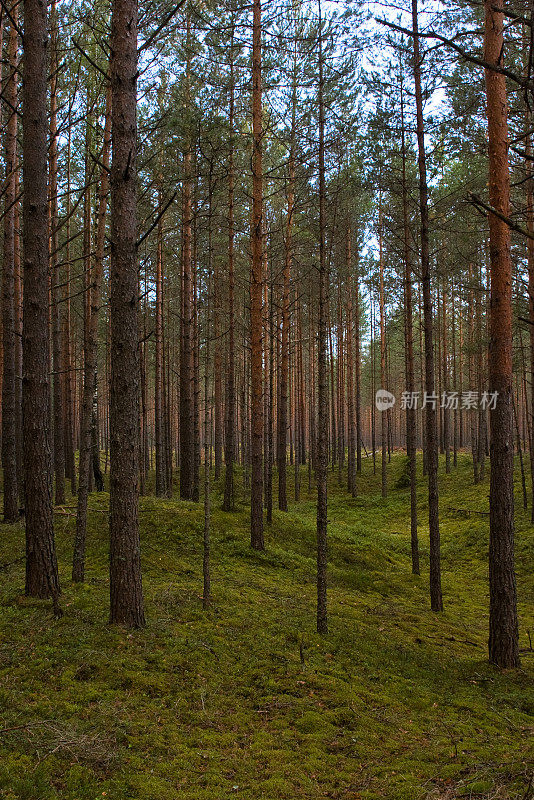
[{"x": 245, "y": 700}]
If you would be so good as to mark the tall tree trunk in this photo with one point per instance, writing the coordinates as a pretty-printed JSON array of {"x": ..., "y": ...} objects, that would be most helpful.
[
  {"x": 90, "y": 357},
  {"x": 270, "y": 412},
  {"x": 95, "y": 442},
  {"x": 340, "y": 360},
  {"x": 70, "y": 375},
  {"x": 230, "y": 412},
  {"x": 42, "y": 579},
  {"x": 357, "y": 368},
  {"x": 436, "y": 600},
  {"x": 9, "y": 381},
  {"x": 57, "y": 362},
  {"x": 186, "y": 338},
  {"x": 322, "y": 385},
  {"x": 196, "y": 380},
  {"x": 332, "y": 439},
  {"x": 159, "y": 416},
  {"x": 217, "y": 359},
  {"x": 530, "y": 262},
  {"x": 409, "y": 359},
  {"x": 125, "y": 558},
  {"x": 503, "y": 626},
  {"x": 168, "y": 395},
  {"x": 299, "y": 405},
  {"x": 455, "y": 383},
  {"x": 143, "y": 433},
  {"x": 480, "y": 384},
  {"x": 383, "y": 379},
  {"x": 18, "y": 344},
  {"x": 256, "y": 285},
  {"x": 461, "y": 434},
  {"x": 206, "y": 545},
  {"x": 446, "y": 410},
  {"x": 284, "y": 365},
  {"x": 373, "y": 381},
  {"x": 471, "y": 332},
  {"x": 351, "y": 450}
]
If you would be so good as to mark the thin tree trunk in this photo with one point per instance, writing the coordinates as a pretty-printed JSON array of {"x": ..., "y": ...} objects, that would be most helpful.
[
  {"x": 196, "y": 371},
  {"x": 186, "y": 338},
  {"x": 383, "y": 380},
  {"x": 444, "y": 394},
  {"x": 480, "y": 384},
  {"x": 159, "y": 420},
  {"x": 18, "y": 344},
  {"x": 270, "y": 414},
  {"x": 206, "y": 544},
  {"x": 461, "y": 433},
  {"x": 57, "y": 363},
  {"x": 322, "y": 417},
  {"x": 332, "y": 439},
  {"x": 340, "y": 389},
  {"x": 186, "y": 361},
  {"x": 90, "y": 357},
  {"x": 284, "y": 366},
  {"x": 357, "y": 369},
  {"x": 95, "y": 442},
  {"x": 436, "y": 600},
  {"x": 70, "y": 465},
  {"x": 455, "y": 383},
  {"x": 530, "y": 262},
  {"x": 9, "y": 387},
  {"x": 351, "y": 450},
  {"x": 373, "y": 384},
  {"x": 256, "y": 286},
  {"x": 409, "y": 360},
  {"x": 471, "y": 335},
  {"x": 230, "y": 421}
]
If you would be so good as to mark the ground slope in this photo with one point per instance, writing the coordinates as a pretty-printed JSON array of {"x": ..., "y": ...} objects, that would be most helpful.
[{"x": 245, "y": 700}]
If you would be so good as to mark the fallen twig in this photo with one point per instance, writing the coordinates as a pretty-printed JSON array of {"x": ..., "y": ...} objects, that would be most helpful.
[
  {"x": 24, "y": 727},
  {"x": 468, "y": 511}
]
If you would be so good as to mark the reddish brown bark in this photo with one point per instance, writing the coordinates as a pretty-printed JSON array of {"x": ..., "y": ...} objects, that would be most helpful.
[
  {"x": 503, "y": 626},
  {"x": 159, "y": 415},
  {"x": 42, "y": 578},
  {"x": 186, "y": 333},
  {"x": 18, "y": 343},
  {"x": 284, "y": 355},
  {"x": 409, "y": 358},
  {"x": 256, "y": 289},
  {"x": 90, "y": 356},
  {"x": 230, "y": 415},
  {"x": 436, "y": 600},
  {"x": 357, "y": 367},
  {"x": 383, "y": 379},
  {"x": 69, "y": 378},
  {"x": 125, "y": 559},
  {"x": 9, "y": 387},
  {"x": 530, "y": 262},
  {"x": 351, "y": 450},
  {"x": 322, "y": 377},
  {"x": 57, "y": 361}
]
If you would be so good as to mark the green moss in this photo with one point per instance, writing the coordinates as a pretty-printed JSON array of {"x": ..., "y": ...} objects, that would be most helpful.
[
  {"x": 476, "y": 789},
  {"x": 245, "y": 699}
]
